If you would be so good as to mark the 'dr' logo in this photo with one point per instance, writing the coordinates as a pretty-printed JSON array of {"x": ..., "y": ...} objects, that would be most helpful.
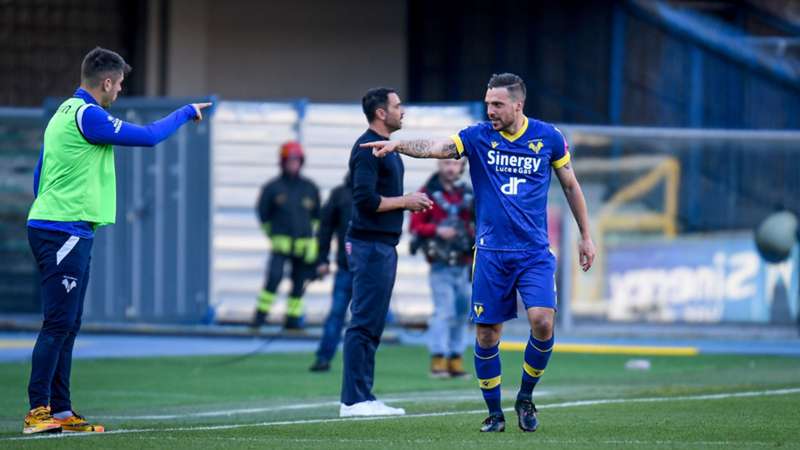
[{"x": 512, "y": 187}]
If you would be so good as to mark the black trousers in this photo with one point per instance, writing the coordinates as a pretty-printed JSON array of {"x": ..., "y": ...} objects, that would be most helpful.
[
  {"x": 374, "y": 267},
  {"x": 300, "y": 273}
]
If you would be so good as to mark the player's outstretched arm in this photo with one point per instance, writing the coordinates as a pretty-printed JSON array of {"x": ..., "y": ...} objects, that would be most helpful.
[
  {"x": 100, "y": 128},
  {"x": 577, "y": 203},
  {"x": 416, "y": 148}
]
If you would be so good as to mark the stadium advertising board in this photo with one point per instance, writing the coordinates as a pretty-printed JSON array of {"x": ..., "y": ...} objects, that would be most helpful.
[{"x": 711, "y": 279}]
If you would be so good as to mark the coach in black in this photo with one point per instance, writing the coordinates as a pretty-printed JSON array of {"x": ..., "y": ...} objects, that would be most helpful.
[{"x": 375, "y": 227}]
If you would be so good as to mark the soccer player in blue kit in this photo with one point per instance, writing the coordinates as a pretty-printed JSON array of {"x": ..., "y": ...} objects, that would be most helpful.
[{"x": 509, "y": 160}]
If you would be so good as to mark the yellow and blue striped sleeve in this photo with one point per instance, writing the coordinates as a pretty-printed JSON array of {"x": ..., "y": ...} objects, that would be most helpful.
[
  {"x": 561, "y": 162},
  {"x": 459, "y": 144},
  {"x": 560, "y": 159}
]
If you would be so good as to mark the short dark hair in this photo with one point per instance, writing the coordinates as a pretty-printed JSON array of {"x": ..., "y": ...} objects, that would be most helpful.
[
  {"x": 514, "y": 84},
  {"x": 375, "y": 98},
  {"x": 99, "y": 62}
]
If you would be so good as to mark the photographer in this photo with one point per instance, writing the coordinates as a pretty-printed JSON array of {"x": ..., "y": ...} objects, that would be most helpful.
[{"x": 445, "y": 235}]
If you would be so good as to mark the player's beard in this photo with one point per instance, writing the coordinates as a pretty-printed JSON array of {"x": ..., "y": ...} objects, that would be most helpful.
[{"x": 501, "y": 125}]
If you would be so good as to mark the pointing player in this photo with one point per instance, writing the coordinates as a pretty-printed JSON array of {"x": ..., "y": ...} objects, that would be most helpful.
[
  {"x": 75, "y": 189},
  {"x": 509, "y": 159}
]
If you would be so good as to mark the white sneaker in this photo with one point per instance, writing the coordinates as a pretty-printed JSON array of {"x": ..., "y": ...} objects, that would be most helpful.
[
  {"x": 369, "y": 408},
  {"x": 385, "y": 410}
]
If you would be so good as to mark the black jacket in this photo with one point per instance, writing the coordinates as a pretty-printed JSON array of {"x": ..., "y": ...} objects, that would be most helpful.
[
  {"x": 335, "y": 218},
  {"x": 288, "y": 206},
  {"x": 374, "y": 178}
]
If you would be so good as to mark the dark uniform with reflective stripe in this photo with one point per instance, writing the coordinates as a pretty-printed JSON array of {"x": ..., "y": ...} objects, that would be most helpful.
[{"x": 288, "y": 209}]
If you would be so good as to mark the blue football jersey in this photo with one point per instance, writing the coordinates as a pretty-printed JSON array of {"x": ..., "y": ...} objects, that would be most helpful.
[{"x": 510, "y": 178}]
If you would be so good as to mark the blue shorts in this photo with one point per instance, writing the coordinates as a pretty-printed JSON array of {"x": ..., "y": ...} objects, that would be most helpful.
[{"x": 499, "y": 275}]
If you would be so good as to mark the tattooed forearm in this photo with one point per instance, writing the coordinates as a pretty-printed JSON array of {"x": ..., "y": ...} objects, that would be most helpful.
[
  {"x": 418, "y": 148},
  {"x": 426, "y": 148},
  {"x": 450, "y": 151}
]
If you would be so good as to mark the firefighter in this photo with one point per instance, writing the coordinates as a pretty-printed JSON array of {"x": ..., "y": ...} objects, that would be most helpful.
[{"x": 288, "y": 209}]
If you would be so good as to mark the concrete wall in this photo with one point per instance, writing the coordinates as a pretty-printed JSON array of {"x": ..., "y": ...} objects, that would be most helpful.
[{"x": 249, "y": 50}]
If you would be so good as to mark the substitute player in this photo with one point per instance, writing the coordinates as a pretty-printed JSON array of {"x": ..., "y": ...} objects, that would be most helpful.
[
  {"x": 75, "y": 192},
  {"x": 510, "y": 157}
]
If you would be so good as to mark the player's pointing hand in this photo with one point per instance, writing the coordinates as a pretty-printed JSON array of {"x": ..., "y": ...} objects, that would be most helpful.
[
  {"x": 198, "y": 108},
  {"x": 382, "y": 148}
]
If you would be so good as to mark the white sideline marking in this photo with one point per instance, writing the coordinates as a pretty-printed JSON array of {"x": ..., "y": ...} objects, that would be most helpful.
[
  {"x": 276, "y": 408},
  {"x": 774, "y": 392},
  {"x": 176, "y": 395}
]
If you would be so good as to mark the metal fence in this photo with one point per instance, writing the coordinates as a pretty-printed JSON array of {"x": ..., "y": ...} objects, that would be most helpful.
[
  {"x": 20, "y": 142},
  {"x": 673, "y": 213},
  {"x": 153, "y": 264}
]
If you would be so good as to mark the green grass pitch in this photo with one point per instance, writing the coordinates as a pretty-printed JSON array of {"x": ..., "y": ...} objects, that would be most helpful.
[{"x": 272, "y": 401}]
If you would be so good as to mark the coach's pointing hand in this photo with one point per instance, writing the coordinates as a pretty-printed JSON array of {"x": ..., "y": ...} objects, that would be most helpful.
[
  {"x": 417, "y": 201},
  {"x": 382, "y": 148},
  {"x": 198, "y": 108}
]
